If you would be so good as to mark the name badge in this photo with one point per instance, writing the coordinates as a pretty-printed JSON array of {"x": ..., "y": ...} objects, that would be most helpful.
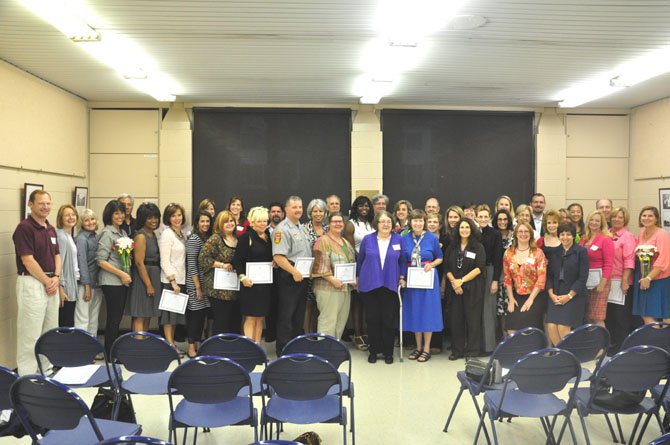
[
  {"x": 530, "y": 261},
  {"x": 53, "y": 240},
  {"x": 594, "y": 248},
  {"x": 240, "y": 228},
  {"x": 470, "y": 255},
  {"x": 395, "y": 246}
]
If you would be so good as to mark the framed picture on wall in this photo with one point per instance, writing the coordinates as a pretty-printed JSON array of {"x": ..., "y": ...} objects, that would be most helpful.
[
  {"x": 80, "y": 199},
  {"x": 664, "y": 207},
  {"x": 27, "y": 190}
]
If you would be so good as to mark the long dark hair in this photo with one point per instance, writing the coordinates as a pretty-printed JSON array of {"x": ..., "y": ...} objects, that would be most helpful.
[
  {"x": 243, "y": 214},
  {"x": 196, "y": 230},
  {"x": 475, "y": 234}
]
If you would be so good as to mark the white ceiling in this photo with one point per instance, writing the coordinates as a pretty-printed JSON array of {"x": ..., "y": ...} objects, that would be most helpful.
[{"x": 308, "y": 51}]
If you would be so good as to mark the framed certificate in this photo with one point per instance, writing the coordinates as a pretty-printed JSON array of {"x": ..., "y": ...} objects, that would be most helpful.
[
  {"x": 346, "y": 272},
  {"x": 259, "y": 273},
  {"x": 225, "y": 280},
  {"x": 595, "y": 275},
  {"x": 417, "y": 278},
  {"x": 173, "y": 302},
  {"x": 304, "y": 266}
]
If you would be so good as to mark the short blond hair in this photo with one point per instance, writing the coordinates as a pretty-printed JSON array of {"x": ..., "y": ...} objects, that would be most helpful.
[
  {"x": 87, "y": 214},
  {"x": 259, "y": 213}
]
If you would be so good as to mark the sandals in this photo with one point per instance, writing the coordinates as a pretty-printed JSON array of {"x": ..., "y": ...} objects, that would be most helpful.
[
  {"x": 424, "y": 357},
  {"x": 414, "y": 355},
  {"x": 360, "y": 343}
]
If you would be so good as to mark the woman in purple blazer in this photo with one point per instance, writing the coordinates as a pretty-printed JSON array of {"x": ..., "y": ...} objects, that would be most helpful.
[{"x": 381, "y": 266}]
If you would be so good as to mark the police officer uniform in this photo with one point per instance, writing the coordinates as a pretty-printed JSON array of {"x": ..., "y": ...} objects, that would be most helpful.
[{"x": 290, "y": 241}]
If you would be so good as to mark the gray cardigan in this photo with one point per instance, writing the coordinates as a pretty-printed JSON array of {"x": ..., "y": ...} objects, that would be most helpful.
[
  {"x": 87, "y": 247},
  {"x": 67, "y": 258},
  {"x": 106, "y": 252}
]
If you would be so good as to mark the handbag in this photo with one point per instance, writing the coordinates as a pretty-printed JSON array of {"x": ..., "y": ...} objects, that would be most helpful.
[
  {"x": 103, "y": 406},
  {"x": 476, "y": 369},
  {"x": 616, "y": 399}
]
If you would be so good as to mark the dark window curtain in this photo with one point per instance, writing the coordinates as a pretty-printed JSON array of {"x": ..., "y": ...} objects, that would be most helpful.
[
  {"x": 265, "y": 155},
  {"x": 458, "y": 156}
]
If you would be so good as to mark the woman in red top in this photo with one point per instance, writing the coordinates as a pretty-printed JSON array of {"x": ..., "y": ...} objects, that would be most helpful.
[
  {"x": 600, "y": 248},
  {"x": 525, "y": 269}
]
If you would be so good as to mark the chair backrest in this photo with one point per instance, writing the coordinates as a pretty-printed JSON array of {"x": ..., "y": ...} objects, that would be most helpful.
[
  {"x": 67, "y": 347},
  {"x": 322, "y": 345},
  {"x": 46, "y": 403},
  {"x": 238, "y": 348},
  {"x": 587, "y": 343},
  {"x": 143, "y": 352},
  {"x": 663, "y": 440},
  {"x": 517, "y": 345},
  {"x": 635, "y": 369},
  {"x": 7, "y": 378},
  {"x": 301, "y": 377},
  {"x": 652, "y": 334},
  {"x": 209, "y": 379},
  {"x": 545, "y": 371},
  {"x": 134, "y": 439}
]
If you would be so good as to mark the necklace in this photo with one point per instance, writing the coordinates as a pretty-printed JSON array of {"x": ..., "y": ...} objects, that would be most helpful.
[{"x": 522, "y": 250}]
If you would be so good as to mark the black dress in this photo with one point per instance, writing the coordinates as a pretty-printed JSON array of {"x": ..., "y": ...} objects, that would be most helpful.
[
  {"x": 568, "y": 271},
  {"x": 254, "y": 300}
]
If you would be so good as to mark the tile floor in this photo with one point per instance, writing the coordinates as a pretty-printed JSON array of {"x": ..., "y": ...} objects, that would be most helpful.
[{"x": 395, "y": 404}]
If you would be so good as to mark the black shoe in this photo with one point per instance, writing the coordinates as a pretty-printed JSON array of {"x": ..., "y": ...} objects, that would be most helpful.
[
  {"x": 388, "y": 359},
  {"x": 372, "y": 358},
  {"x": 455, "y": 356}
]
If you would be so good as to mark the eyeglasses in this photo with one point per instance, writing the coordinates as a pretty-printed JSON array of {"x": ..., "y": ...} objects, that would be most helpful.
[{"x": 385, "y": 222}]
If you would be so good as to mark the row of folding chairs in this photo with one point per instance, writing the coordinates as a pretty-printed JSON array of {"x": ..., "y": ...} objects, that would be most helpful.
[
  {"x": 226, "y": 363},
  {"x": 535, "y": 370}
]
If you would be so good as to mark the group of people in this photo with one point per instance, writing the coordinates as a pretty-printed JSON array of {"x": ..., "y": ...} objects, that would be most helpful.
[{"x": 494, "y": 271}]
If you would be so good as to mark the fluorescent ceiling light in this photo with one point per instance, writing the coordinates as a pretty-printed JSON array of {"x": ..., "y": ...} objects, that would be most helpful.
[
  {"x": 628, "y": 74},
  {"x": 369, "y": 88},
  {"x": 59, "y": 15},
  {"x": 121, "y": 54},
  {"x": 158, "y": 85},
  {"x": 411, "y": 21}
]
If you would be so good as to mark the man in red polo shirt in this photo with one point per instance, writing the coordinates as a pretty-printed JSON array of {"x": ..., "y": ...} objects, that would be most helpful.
[{"x": 38, "y": 265}]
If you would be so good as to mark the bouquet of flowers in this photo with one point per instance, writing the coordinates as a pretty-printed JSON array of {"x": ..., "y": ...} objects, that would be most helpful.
[
  {"x": 645, "y": 253},
  {"x": 124, "y": 246}
]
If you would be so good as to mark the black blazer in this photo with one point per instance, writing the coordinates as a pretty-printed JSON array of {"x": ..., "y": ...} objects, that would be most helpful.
[
  {"x": 575, "y": 266},
  {"x": 492, "y": 242},
  {"x": 474, "y": 248}
]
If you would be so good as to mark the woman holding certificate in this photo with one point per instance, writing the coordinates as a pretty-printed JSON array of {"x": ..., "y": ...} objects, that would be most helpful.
[
  {"x": 466, "y": 259},
  {"x": 600, "y": 247},
  {"x": 567, "y": 273},
  {"x": 332, "y": 292},
  {"x": 254, "y": 247},
  {"x": 381, "y": 267},
  {"x": 198, "y": 303},
  {"x": 619, "y": 319},
  {"x": 217, "y": 253},
  {"x": 652, "y": 279},
  {"x": 172, "y": 247},
  {"x": 421, "y": 309},
  {"x": 525, "y": 269}
]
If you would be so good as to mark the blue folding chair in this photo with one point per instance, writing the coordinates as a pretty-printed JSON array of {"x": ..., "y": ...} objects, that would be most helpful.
[
  {"x": 46, "y": 403},
  {"x": 148, "y": 356},
  {"x": 506, "y": 353},
  {"x": 536, "y": 377},
  {"x": 241, "y": 350},
  {"x": 7, "y": 379},
  {"x": 67, "y": 347},
  {"x": 587, "y": 343},
  {"x": 635, "y": 369},
  {"x": 210, "y": 387},
  {"x": 663, "y": 440},
  {"x": 299, "y": 387},
  {"x": 336, "y": 352},
  {"x": 652, "y": 334},
  {"x": 134, "y": 439}
]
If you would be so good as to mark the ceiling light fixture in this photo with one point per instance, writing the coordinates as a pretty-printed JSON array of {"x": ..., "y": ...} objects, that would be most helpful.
[
  {"x": 626, "y": 75},
  {"x": 119, "y": 53}
]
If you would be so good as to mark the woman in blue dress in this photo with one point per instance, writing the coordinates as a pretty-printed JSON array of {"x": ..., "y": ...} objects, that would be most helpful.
[{"x": 421, "y": 310}]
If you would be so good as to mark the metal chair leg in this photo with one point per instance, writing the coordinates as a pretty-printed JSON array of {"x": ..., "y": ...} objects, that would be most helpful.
[{"x": 453, "y": 408}]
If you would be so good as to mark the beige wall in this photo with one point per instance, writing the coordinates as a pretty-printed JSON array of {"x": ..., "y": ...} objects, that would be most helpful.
[
  {"x": 649, "y": 155},
  {"x": 43, "y": 140}
]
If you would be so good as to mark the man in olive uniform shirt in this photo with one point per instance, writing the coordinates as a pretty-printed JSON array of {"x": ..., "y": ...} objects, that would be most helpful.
[{"x": 289, "y": 243}]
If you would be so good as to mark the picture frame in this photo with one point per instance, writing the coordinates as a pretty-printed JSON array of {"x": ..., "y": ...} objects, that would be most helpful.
[
  {"x": 664, "y": 207},
  {"x": 28, "y": 188},
  {"x": 80, "y": 198}
]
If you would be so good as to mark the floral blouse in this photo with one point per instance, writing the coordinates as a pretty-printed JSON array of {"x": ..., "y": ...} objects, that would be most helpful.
[
  {"x": 215, "y": 249},
  {"x": 328, "y": 253},
  {"x": 311, "y": 234},
  {"x": 528, "y": 276}
]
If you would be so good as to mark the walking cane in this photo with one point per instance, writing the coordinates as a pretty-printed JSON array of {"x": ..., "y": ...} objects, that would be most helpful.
[{"x": 400, "y": 324}]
